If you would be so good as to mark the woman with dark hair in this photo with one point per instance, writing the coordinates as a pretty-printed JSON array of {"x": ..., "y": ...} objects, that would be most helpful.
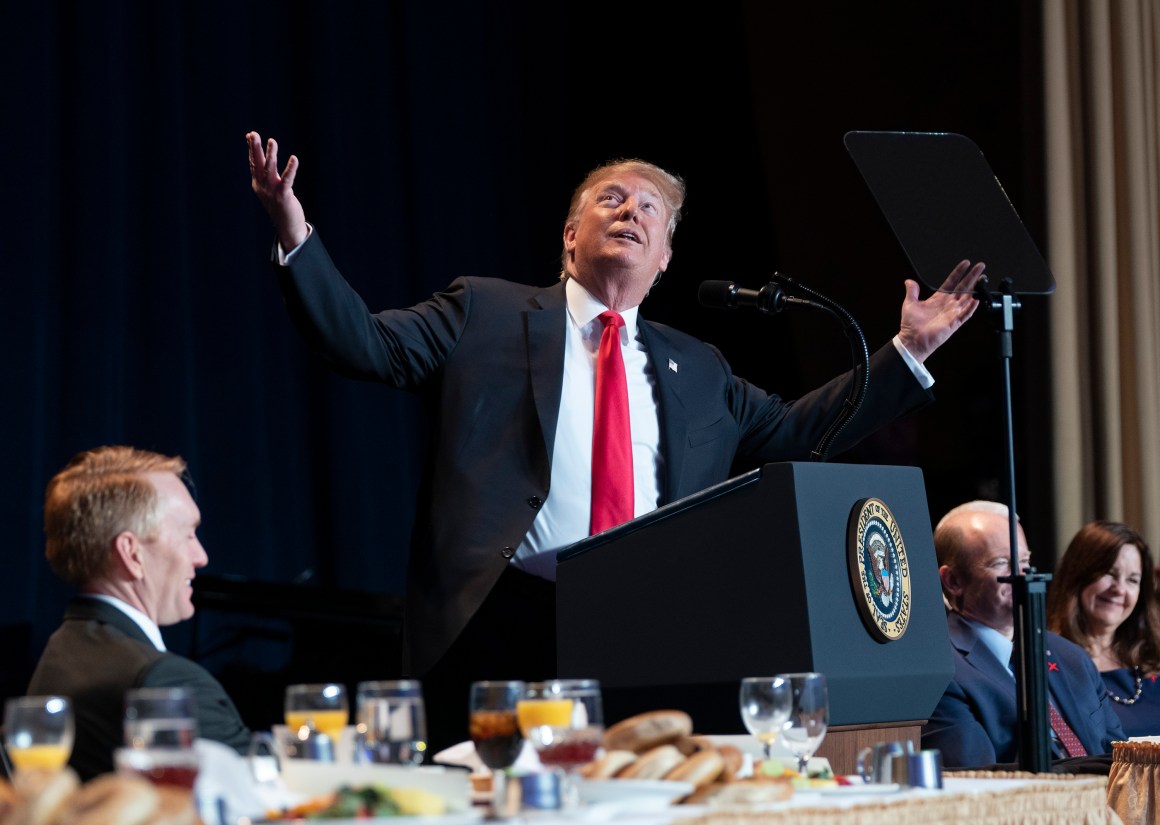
[{"x": 1102, "y": 597}]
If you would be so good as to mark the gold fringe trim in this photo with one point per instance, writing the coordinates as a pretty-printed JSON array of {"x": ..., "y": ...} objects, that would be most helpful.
[
  {"x": 1134, "y": 782},
  {"x": 1062, "y": 800}
]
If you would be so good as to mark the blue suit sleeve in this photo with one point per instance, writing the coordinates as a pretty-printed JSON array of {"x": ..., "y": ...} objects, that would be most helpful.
[{"x": 954, "y": 729}]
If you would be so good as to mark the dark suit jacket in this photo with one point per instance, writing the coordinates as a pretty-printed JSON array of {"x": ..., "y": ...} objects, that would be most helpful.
[
  {"x": 490, "y": 354},
  {"x": 976, "y": 721},
  {"x": 96, "y": 655}
]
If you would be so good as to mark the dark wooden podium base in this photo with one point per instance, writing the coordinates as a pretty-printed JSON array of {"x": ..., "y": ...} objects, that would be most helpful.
[{"x": 843, "y": 742}]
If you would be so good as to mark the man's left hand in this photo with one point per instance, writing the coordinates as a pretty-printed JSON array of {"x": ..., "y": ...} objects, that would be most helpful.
[{"x": 926, "y": 325}]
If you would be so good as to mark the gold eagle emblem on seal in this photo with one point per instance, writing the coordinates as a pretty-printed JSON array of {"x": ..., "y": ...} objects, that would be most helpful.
[{"x": 879, "y": 570}]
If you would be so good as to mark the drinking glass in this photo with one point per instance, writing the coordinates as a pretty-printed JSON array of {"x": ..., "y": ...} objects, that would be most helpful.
[
  {"x": 160, "y": 727},
  {"x": 765, "y": 706},
  {"x": 543, "y": 705},
  {"x": 568, "y": 746},
  {"x": 318, "y": 707},
  {"x": 159, "y": 718},
  {"x": 495, "y": 731},
  {"x": 38, "y": 732},
  {"x": 176, "y": 767},
  {"x": 392, "y": 723},
  {"x": 809, "y": 716}
]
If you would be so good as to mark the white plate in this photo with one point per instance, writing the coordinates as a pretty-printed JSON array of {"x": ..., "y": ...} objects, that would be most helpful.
[
  {"x": 659, "y": 791},
  {"x": 462, "y": 818},
  {"x": 866, "y": 789},
  {"x": 308, "y": 777}
]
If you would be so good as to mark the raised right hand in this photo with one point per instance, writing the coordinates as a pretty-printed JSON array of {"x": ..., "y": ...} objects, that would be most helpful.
[{"x": 276, "y": 191}]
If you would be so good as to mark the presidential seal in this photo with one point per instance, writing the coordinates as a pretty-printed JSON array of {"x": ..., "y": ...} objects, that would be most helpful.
[{"x": 879, "y": 571}]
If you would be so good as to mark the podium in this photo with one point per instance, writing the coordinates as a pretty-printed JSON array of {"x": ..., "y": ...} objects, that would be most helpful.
[{"x": 753, "y": 577}]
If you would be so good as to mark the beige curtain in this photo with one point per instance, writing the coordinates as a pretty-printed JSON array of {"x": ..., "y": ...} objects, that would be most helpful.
[{"x": 1103, "y": 193}]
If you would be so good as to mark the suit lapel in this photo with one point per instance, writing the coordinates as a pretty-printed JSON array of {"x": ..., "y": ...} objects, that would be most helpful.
[
  {"x": 546, "y": 328},
  {"x": 85, "y": 609},
  {"x": 977, "y": 654},
  {"x": 666, "y": 364}
]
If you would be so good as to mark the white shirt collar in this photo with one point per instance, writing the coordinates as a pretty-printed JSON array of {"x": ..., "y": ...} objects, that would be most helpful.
[
  {"x": 147, "y": 625},
  {"x": 584, "y": 307}
]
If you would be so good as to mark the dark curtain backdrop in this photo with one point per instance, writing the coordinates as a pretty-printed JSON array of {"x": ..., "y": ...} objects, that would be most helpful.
[{"x": 438, "y": 140}]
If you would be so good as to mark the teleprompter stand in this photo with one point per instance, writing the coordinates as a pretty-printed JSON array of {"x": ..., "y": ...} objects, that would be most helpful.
[{"x": 944, "y": 203}]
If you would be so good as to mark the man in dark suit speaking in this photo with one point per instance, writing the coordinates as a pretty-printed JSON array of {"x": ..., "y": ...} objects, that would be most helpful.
[
  {"x": 121, "y": 525},
  {"x": 527, "y": 456}
]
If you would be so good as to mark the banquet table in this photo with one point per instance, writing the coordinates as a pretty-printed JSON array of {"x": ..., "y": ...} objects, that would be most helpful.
[
  {"x": 1126, "y": 797},
  {"x": 980, "y": 799}
]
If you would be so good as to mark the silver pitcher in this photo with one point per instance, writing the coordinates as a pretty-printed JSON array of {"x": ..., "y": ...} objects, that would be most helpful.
[{"x": 874, "y": 763}]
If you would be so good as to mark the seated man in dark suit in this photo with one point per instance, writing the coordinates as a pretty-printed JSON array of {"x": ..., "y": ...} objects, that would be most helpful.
[
  {"x": 121, "y": 525},
  {"x": 975, "y": 722}
]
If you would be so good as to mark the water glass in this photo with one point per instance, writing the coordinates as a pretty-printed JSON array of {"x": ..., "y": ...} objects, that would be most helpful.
[
  {"x": 38, "y": 732},
  {"x": 392, "y": 722},
  {"x": 809, "y": 716},
  {"x": 160, "y": 727},
  {"x": 160, "y": 718},
  {"x": 765, "y": 706}
]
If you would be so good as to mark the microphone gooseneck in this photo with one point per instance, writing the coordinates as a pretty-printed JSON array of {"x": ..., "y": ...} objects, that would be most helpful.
[
  {"x": 859, "y": 354},
  {"x": 772, "y": 298}
]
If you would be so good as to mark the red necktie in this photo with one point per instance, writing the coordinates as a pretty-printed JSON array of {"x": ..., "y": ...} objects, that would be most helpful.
[
  {"x": 612, "y": 497},
  {"x": 1066, "y": 735},
  {"x": 1059, "y": 726}
]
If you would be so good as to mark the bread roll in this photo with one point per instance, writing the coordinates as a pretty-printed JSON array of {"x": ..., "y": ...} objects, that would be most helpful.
[
  {"x": 608, "y": 765},
  {"x": 646, "y": 731},
  {"x": 703, "y": 794},
  {"x": 734, "y": 759},
  {"x": 700, "y": 769},
  {"x": 175, "y": 806},
  {"x": 43, "y": 795},
  {"x": 111, "y": 799},
  {"x": 688, "y": 745},
  {"x": 653, "y": 764},
  {"x": 9, "y": 799}
]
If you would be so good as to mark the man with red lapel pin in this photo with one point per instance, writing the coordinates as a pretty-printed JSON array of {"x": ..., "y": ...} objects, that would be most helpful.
[{"x": 975, "y": 722}]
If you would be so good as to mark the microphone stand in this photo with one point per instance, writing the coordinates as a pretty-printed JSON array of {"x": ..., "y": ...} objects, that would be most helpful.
[
  {"x": 772, "y": 299},
  {"x": 1028, "y": 589},
  {"x": 860, "y": 355}
]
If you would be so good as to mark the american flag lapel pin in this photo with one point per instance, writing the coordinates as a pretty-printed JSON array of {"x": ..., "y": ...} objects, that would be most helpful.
[{"x": 672, "y": 365}]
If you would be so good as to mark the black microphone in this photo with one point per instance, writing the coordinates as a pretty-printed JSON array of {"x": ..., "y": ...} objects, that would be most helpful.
[
  {"x": 772, "y": 298},
  {"x": 726, "y": 294}
]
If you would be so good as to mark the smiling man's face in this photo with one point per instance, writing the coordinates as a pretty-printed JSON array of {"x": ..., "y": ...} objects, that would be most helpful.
[
  {"x": 171, "y": 558},
  {"x": 619, "y": 244}
]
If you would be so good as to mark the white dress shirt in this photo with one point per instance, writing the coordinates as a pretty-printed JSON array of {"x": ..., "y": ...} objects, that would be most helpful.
[{"x": 564, "y": 516}]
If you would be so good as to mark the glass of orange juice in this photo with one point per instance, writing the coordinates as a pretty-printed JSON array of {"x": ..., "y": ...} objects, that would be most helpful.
[
  {"x": 543, "y": 705},
  {"x": 38, "y": 732},
  {"x": 320, "y": 707}
]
